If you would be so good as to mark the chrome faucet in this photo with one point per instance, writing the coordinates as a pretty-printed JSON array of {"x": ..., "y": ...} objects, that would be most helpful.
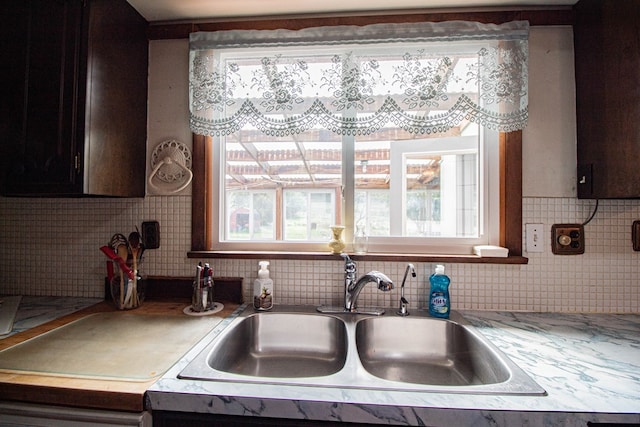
[
  {"x": 403, "y": 311},
  {"x": 352, "y": 287}
]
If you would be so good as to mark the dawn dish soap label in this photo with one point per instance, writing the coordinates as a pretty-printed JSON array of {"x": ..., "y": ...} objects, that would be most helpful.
[
  {"x": 439, "y": 304},
  {"x": 439, "y": 301}
]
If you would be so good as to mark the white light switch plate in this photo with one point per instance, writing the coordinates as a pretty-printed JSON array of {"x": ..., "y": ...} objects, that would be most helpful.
[{"x": 534, "y": 237}]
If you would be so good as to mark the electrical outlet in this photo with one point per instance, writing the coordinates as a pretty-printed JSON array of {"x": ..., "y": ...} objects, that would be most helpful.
[
  {"x": 534, "y": 239},
  {"x": 567, "y": 239}
]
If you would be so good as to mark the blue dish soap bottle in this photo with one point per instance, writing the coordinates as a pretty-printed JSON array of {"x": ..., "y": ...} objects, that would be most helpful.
[{"x": 439, "y": 301}]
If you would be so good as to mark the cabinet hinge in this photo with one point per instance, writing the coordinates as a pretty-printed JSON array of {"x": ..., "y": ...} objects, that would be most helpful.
[{"x": 76, "y": 162}]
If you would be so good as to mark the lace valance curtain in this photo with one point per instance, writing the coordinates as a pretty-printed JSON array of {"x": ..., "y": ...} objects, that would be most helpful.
[{"x": 423, "y": 78}]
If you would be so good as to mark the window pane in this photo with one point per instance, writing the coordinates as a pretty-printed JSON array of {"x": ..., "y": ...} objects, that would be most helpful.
[
  {"x": 418, "y": 186},
  {"x": 263, "y": 220},
  {"x": 296, "y": 214},
  {"x": 308, "y": 215},
  {"x": 293, "y": 179},
  {"x": 372, "y": 212},
  {"x": 321, "y": 216},
  {"x": 250, "y": 215},
  {"x": 434, "y": 181}
]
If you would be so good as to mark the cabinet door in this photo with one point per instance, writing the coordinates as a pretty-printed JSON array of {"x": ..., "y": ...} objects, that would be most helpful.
[
  {"x": 41, "y": 143},
  {"x": 115, "y": 121},
  {"x": 14, "y": 24},
  {"x": 607, "y": 49},
  {"x": 74, "y": 100}
]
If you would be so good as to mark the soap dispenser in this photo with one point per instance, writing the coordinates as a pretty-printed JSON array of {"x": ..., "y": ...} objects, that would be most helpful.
[{"x": 263, "y": 288}]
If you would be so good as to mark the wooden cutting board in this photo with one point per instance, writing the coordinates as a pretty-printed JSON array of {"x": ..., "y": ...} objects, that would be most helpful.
[{"x": 115, "y": 345}]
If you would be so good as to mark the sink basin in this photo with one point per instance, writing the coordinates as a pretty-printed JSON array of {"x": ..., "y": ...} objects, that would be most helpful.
[
  {"x": 290, "y": 345},
  {"x": 426, "y": 351},
  {"x": 297, "y": 345}
]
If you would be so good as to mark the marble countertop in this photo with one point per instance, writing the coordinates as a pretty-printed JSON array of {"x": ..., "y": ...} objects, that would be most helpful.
[
  {"x": 589, "y": 364},
  {"x": 38, "y": 310}
]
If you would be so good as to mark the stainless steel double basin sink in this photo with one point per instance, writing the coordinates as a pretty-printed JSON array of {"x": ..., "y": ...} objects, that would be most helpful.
[{"x": 296, "y": 345}]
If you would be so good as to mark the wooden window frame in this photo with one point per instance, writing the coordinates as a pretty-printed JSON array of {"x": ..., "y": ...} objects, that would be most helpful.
[{"x": 510, "y": 150}]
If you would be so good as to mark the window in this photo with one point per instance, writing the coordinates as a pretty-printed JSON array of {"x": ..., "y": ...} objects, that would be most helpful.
[
  {"x": 427, "y": 190},
  {"x": 415, "y": 179}
]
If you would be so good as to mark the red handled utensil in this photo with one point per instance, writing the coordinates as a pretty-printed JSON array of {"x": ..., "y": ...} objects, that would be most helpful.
[{"x": 114, "y": 257}]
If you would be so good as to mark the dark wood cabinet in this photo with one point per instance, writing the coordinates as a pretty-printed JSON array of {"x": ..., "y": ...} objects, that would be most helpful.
[
  {"x": 179, "y": 419},
  {"x": 74, "y": 98},
  {"x": 607, "y": 66}
]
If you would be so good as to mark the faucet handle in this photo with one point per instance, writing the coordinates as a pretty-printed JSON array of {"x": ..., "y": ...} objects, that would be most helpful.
[
  {"x": 403, "y": 310},
  {"x": 349, "y": 264}
]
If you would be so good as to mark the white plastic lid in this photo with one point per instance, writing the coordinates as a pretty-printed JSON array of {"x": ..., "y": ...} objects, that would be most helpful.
[
  {"x": 439, "y": 269},
  {"x": 263, "y": 273}
]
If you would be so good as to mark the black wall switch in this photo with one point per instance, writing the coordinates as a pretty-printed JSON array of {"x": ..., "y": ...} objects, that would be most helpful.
[
  {"x": 151, "y": 234},
  {"x": 635, "y": 235}
]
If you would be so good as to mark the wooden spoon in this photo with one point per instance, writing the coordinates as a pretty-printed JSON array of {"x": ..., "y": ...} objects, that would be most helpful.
[
  {"x": 123, "y": 253},
  {"x": 134, "y": 244},
  {"x": 120, "y": 244}
]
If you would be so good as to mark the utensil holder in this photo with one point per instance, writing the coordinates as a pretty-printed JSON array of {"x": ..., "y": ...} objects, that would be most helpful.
[
  {"x": 202, "y": 298},
  {"x": 127, "y": 293}
]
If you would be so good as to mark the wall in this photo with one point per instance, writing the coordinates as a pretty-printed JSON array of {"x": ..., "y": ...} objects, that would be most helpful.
[
  {"x": 50, "y": 246},
  {"x": 549, "y": 140}
]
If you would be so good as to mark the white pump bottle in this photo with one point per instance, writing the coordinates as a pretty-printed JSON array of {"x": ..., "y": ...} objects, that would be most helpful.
[{"x": 263, "y": 288}]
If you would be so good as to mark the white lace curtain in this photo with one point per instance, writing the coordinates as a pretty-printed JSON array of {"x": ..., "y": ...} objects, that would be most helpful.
[{"x": 422, "y": 78}]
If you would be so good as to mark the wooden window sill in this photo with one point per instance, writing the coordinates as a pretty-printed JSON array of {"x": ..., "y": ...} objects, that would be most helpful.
[{"x": 322, "y": 256}]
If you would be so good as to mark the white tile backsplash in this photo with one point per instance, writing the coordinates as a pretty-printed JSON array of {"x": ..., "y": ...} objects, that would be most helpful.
[{"x": 50, "y": 247}]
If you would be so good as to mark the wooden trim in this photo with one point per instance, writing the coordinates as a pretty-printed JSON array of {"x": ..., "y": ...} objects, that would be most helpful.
[
  {"x": 510, "y": 213},
  {"x": 537, "y": 16},
  {"x": 327, "y": 256},
  {"x": 511, "y": 192},
  {"x": 208, "y": 193},
  {"x": 200, "y": 233},
  {"x": 166, "y": 288}
]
